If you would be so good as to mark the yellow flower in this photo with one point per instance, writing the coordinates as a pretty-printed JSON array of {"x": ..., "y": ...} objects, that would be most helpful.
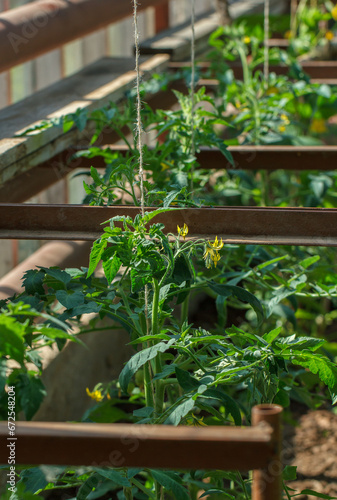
[
  {"x": 96, "y": 395},
  {"x": 318, "y": 126},
  {"x": 217, "y": 245},
  {"x": 288, "y": 35},
  {"x": 329, "y": 35},
  {"x": 182, "y": 231},
  {"x": 272, "y": 90},
  {"x": 246, "y": 39},
  {"x": 334, "y": 13},
  {"x": 285, "y": 119},
  {"x": 196, "y": 422},
  {"x": 211, "y": 254},
  {"x": 282, "y": 128},
  {"x": 165, "y": 166}
]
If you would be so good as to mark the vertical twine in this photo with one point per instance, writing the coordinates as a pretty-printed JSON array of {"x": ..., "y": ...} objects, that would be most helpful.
[
  {"x": 139, "y": 126},
  {"x": 192, "y": 86},
  {"x": 266, "y": 42},
  {"x": 139, "y": 129}
]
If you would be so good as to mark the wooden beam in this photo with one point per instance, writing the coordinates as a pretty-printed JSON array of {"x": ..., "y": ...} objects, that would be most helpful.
[
  {"x": 91, "y": 88},
  {"x": 28, "y": 31}
]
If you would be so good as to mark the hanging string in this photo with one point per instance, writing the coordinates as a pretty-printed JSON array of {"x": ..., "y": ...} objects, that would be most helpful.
[
  {"x": 139, "y": 126},
  {"x": 192, "y": 87},
  {"x": 266, "y": 41},
  {"x": 139, "y": 131}
]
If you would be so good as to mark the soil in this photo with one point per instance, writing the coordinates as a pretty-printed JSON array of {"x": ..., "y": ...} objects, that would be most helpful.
[{"x": 312, "y": 447}]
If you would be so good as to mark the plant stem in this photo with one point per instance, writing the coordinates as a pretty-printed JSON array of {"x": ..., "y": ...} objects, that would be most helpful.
[
  {"x": 159, "y": 386},
  {"x": 184, "y": 310}
]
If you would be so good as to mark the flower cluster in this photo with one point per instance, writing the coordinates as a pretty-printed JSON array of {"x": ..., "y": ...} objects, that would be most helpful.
[
  {"x": 183, "y": 231},
  {"x": 211, "y": 254},
  {"x": 96, "y": 395},
  {"x": 318, "y": 126}
]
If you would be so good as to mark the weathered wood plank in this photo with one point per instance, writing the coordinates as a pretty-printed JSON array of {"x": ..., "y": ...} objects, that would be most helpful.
[{"x": 93, "y": 87}]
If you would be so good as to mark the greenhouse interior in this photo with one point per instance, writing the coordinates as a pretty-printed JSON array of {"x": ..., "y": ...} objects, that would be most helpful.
[{"x": 168, "y": 235}]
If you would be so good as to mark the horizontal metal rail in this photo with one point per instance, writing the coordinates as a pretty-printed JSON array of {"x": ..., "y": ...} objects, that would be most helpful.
[
  {"x": 271, "y": 158},
  {"x": 245, "y": 158},
  {"x": 244, "y": 225},
  {"x": 38, "y": 27},
  {"x": 315, "y": 69},
  {"x": 157, "y": 446},
  {"x": 140, "y": 445}
]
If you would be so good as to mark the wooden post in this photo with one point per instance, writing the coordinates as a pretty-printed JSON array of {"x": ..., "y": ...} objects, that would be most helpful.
[{"x": 267, "y": 483}]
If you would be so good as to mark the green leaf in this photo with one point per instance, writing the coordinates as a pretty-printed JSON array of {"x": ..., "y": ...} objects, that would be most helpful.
[
  {"x": 114, "y": 476},
  {"x": 94, "y": 174},
  {"x": 171, "y": 482},
  {"x": 32, "y": 393},
  {"x": 271, "y": 336},
  {"x": 139, "y": 359},
  {"x": 214, "y": 491},
  {"x": 33, "y": 282},
  {"x": 55, "y": 333},
  {"x": 316, "y": 494},
  {"x": 289, "y": 473},
  {"x": 309, "y": 261},
  {"x": 186, "y": 381},
  {"x": 111, "y": 267},
  {"x": 87, "y": 487},
  {"x": 11, "y": 338},
  {"x": 58, "y": 274},
  {"x": 3, "y": 375},
  {"x": 229, "y": 403},
  {"x": 70, "y": 300},
  {"x": 34, "y": 479},
  {"x": 180, "y": 412},
  {"x": 320, "y": 365},
  {"x": 96, "y": 254},
  {"x": 241, "y": 294}
]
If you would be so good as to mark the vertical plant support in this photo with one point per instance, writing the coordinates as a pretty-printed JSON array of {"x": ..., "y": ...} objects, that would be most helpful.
[
  {"x": 267, "y": 483},
  {"x": 266, "y": 41}
]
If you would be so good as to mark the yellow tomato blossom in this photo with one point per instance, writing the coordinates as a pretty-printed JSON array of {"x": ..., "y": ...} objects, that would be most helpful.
[
  {"x": 318, "y": 126},
  {"x": 334, "y": 13},
  {"x": 272, "y": 90},
  {"x": 211, "y": 254},
  {"x": 96, "y": 395},
  {"x": 196, "y": 421},
  {"x": 282, "y": 128},
  {"x": 329, "y": 35},
  {"x": 183, "y": 231},
  {"x": 246, "y": 39},
  {"x": 285, "y": 119}
]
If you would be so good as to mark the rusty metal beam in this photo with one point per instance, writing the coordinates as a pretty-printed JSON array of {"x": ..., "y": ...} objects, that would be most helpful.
[
  {"x": 126, "y": 445},
  {"x": 269, "y": 158},
  {"x": 244, "y": 225},
  {"x": 315, "y": 69},
  {"x": 162, "y": 17},
  {"x": 38, "y": 27}
]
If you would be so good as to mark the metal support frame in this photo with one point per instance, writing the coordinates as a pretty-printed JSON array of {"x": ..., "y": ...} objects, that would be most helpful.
[
  {"x": 315, "y": 69},
  {"x": 270, "y": 158},
  {"x": 244, "y": 225},
  {"x": 227, "y": 448},
  {"x": 162, "y": 17}
]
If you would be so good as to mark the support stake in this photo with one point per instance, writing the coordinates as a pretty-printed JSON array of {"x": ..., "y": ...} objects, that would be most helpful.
[{"x": 267, "y": 483}]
